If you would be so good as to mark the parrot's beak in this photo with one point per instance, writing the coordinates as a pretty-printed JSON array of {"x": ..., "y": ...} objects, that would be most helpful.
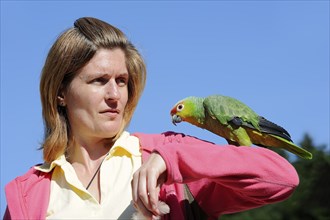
[{"x": 176, "y": 119}]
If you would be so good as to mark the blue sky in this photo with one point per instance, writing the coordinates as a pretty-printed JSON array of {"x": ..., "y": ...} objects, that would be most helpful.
[{"x": 272, "y": 55}]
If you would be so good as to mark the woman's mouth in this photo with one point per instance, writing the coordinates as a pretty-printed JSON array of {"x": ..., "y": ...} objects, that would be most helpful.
[{"x": 110, "y": 112}]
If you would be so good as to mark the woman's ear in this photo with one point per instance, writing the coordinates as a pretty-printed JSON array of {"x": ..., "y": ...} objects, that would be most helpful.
[{"x": 61, "y": 99}]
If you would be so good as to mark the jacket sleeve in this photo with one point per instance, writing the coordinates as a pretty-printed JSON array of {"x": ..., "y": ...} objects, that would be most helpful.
[{"x": 226, "y": 179}]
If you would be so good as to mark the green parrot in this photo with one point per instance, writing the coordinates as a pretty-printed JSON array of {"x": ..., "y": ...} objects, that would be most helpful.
[{"x": 234, "y": 121}]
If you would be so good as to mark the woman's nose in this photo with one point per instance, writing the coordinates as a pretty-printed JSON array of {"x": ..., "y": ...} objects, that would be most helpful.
[{"x": 113, "y": 92}]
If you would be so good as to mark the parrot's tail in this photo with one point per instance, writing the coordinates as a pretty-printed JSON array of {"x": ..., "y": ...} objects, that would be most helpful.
[
  {"x": 289, "y": 146},
  {"x": 271, "y": 140}
]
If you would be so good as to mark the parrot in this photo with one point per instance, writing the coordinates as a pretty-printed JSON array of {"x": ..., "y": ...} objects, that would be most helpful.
[{"x": 235, "y": 121}]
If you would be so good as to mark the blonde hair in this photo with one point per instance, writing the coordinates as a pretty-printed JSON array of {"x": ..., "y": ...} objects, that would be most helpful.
[{"x": 70, "y": 52}]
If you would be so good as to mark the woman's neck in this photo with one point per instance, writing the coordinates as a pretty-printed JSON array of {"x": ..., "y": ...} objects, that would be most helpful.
[{"x": 89, "y": 154}]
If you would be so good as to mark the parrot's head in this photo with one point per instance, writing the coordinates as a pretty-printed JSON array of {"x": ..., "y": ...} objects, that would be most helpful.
[{"x": 189, "y": 109}]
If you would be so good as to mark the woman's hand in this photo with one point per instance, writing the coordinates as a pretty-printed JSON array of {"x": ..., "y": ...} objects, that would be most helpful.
[{"x": 146, "y": 184}]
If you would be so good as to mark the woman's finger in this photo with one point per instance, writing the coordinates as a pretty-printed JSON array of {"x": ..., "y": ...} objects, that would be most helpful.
[
  {"x": 153, "y": 191},
  {"x": 142, "y": 189},
  {"x": 135, "y": 184}
]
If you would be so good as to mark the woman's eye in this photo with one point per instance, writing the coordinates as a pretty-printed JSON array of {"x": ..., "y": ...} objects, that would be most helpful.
[
  {"x": 100, "y": 80},
  {"x": 122, "y": 81}
]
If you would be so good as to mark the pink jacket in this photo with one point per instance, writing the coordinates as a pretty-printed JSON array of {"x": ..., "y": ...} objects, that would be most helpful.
[{"x": 221, "y": 179}]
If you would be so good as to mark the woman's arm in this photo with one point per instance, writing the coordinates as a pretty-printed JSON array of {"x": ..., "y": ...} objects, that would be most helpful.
[{"x": 225, "y": 179}]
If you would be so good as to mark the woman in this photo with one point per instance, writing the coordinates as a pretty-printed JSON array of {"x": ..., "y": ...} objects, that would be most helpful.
[{"x": 91, "y": 83}]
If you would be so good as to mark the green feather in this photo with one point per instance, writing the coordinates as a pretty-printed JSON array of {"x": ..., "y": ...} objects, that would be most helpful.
[{"x": 225, "y": 108}]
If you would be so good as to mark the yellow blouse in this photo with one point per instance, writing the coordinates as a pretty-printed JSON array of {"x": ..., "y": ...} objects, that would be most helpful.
[{"x": 70, "y": 200}]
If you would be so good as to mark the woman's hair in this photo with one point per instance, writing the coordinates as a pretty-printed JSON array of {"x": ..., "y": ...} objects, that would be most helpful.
[{"x": 70, "y": 52}]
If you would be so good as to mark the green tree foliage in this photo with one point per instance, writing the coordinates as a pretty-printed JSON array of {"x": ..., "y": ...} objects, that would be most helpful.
[{"x": 310, "y": 201}]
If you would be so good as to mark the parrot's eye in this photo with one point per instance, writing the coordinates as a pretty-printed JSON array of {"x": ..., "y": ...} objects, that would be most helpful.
[{"x": 180, "y": 107}]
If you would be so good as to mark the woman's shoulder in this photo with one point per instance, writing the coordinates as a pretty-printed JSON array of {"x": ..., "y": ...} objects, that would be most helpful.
[
  {"x": 28, "y": 193},
  {"x": 30, "y": 177}
]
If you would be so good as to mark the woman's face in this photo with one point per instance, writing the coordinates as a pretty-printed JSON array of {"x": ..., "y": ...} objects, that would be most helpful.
[{"x": 96, "y": 98}]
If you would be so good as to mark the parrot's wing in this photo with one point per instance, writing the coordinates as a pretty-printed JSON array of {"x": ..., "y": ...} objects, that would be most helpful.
[
  {"x": 228, "y": 110},
  {"x": 266, "y": 127},
  {"x": 269, "y": 127}
]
